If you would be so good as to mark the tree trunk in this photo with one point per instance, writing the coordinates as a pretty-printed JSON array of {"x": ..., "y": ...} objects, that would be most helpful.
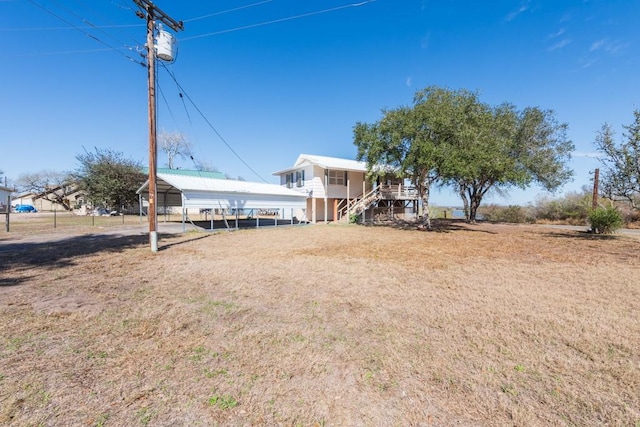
[
  {"x": 473, "y": 207},
  {"x": 426, "y": 214},
  {"x": 60, "y": 201},
  {"x": 465, "y": 201}
]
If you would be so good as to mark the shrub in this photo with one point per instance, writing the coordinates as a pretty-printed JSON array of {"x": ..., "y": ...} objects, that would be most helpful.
[
  {"x": 513, "y": 214},
  {"x": 605, "y": 220},
  {"x": 572, "y": 208},
  {"x": 353, "y": 218}
]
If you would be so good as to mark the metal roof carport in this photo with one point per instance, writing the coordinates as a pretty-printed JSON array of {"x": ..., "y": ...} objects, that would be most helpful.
[{"x": 200, "y": 192}]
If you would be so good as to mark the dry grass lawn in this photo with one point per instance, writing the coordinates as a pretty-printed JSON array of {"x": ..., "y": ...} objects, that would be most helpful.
[{"x": 327, "y": 325}]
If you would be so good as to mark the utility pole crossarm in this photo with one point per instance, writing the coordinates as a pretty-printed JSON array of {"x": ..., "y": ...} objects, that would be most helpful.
[{"x": 158, "y": 14}]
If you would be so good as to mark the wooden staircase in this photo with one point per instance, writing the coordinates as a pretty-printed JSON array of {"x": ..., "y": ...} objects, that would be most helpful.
[
  {"x": 358, "y": 205},
  {"x": 381, "y": 192}
]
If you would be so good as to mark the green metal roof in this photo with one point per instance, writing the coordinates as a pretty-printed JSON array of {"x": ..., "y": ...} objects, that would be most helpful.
[{"x": 187, "y": 172}]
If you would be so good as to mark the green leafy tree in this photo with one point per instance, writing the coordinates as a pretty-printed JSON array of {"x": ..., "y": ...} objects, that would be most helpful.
[
  {"x": 500, "y": 148},
  {"x": 110, "y": 180},
  {"x": 53, "y": 186},
  {"x": 621, "y": 177},
  {"x": 450, "y": 137},
  {"x": 416, "y": 141},
  {"x": 401, "y": 141}
]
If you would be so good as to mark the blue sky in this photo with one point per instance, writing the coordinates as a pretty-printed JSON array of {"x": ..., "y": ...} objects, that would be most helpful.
[{"x": 282, "y": 77}]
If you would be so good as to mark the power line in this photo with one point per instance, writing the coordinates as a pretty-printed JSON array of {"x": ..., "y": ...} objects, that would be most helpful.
[
  {"x": 72, "y": 27},
  {"x": 211, "y": 125},
  {"x": 63, "y": 52},
  {"x": 166, "y": 103},
  {"x": 91, "y": 25},
  {"x": 275, "y": 21},
  {"x": 121, "y": 5},
  {"x": 188, "y": 146},
  {"x": 139, "y": 45},
  {"x": 227, "y": 11},
  {"x": 84, "y": 32}
]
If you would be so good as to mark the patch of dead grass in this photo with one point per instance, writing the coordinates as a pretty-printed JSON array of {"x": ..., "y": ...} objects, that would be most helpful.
[{"x": 327, "y": 325}]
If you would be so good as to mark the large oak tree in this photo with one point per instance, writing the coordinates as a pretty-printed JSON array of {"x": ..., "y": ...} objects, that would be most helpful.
[{"x": 451, "y": 137}]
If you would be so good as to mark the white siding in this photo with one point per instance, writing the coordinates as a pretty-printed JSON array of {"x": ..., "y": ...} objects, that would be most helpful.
[
  {"x": 314, "y": 184},
  {"x": 212, "y": 200}
]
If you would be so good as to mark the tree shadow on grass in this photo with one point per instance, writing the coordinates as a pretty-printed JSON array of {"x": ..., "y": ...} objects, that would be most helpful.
[
  {"x": 66, "y": 252},
  {"x": 581, "y": 235},
  {"x": 437, "y": 226}
]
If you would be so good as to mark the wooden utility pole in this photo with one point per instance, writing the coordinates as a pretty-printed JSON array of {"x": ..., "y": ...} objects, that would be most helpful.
[
  {"x": 596, "y": 178},
  {"x": 8, "y": 209},
  {"x": 153, "y": 13}
]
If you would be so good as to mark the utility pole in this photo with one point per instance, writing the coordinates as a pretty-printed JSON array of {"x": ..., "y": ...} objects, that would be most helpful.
[
  {"x": 596, "y": 178},
  {"x": 153, "y": 13}
]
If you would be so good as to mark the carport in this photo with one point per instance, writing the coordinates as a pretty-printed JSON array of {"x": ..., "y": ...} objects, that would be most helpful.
[{"x": 192, "y": 190}]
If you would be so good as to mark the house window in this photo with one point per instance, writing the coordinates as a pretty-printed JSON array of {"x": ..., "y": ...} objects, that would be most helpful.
[
  {"x": 300, "y": 179},
  {"x": 289, "y": 180},
  {"x": 337, "y": 177}
]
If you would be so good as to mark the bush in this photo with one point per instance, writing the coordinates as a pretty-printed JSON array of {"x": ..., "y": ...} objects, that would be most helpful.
[
  {"x": 353, "y": 218},
  {"x": 572, "y": 208},
  {"x": 605, "y": 220},
  {"x": 513, "y": 214}
]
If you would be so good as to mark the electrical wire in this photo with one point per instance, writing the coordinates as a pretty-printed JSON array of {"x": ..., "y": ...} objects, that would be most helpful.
[
  {"x": 235, "y": 153},
  {"x": 91, "y": 25},
  {"x": 72, "y": 27},
  {"x": 62, "y": 52},
  {"x": 196, "y": 165},
  {"x": 121, "y": 5},
  {"x": 226, "y": 11},
  {"x": 85, "y": 33},
  {"x": 275, "y": 21},
  {"x": 166, "y": 103}
]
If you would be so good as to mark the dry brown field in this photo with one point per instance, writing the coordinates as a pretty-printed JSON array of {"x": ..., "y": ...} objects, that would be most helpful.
[{"x": 326, "y": 325}]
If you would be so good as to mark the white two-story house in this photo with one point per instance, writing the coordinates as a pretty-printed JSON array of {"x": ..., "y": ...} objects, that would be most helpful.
[{"x": 336, "y": 187}]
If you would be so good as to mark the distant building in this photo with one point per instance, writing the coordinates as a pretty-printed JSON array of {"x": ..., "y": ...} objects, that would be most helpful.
[
  {"x": 5, "y": 193},
  {"x": 48, "y": 200}
]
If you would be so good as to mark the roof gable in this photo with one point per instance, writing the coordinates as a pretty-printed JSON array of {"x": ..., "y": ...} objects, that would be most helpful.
[
  {"x": 332, "y": 162},
  {"x": 325, "y": 162}
]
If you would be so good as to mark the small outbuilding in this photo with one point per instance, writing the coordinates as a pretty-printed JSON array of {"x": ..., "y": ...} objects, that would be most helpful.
[{"x": 194, "y": 191}]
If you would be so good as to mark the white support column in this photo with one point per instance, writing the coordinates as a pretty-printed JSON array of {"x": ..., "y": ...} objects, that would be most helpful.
[
  {"x": 314, "y": 210},
  {"x": 348, "y": 194},
  {"x": 326, "y": 189},
  {"x": 184, "y": 225}
]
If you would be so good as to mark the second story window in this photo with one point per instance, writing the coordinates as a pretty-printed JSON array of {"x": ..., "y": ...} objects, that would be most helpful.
[
  {"x": 337, "y": 177},
  {"x": 289, "y": 180}
]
